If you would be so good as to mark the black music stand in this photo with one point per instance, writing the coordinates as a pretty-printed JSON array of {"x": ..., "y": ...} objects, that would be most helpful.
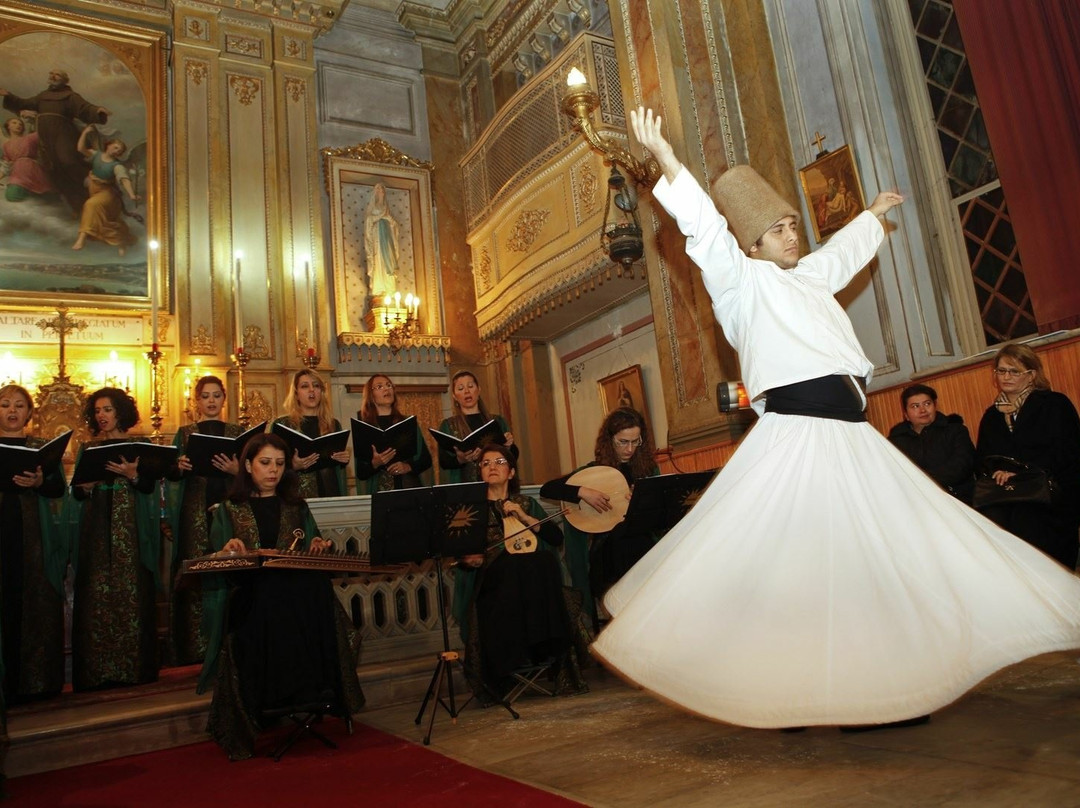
[
  {"x": 416, "y": 524},
  {"x": 658, "y": 503}
]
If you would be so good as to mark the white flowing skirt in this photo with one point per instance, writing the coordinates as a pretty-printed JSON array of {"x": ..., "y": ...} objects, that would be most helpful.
[{"x": 823, "y": 578}]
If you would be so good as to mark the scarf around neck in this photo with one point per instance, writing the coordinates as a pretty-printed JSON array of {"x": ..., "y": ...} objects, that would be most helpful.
[{"x": 1011, "y": 409}]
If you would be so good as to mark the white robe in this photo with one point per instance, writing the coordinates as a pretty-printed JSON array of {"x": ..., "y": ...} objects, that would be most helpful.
[{"x": 822, "y": 578}]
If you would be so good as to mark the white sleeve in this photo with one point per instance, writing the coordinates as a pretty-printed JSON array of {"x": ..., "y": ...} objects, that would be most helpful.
[
  {"x": 849, "y": 250},
  {"x": 709, "y": 242}
]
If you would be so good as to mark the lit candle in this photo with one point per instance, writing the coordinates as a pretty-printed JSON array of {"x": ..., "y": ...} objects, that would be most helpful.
[
  {"x": 311, "y": 307},
  {"x": 397, "y": 300},
  {"x": 152, "y": 262},
  {"x": 238, "y": 325},
  {"x": 386, "y": 301},
  {"x": 416, "y": 306},
  {"x": 575, "y": 78}
]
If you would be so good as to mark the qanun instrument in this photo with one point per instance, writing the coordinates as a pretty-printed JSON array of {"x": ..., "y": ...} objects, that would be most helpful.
[{"x": 345, "y": 563}]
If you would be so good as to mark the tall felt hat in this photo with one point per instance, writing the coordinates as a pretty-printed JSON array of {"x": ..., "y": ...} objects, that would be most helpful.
[{"x": 750, "y": 204}]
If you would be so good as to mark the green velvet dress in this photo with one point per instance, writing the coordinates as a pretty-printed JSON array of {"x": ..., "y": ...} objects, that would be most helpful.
[
  {"x": 33, "y": 562},
  {"x": 276, "y": 638},
  {"x": 370, "y": 480},
  {"x": 327, "y": 482},
  {"x": 114, "y": 631},
  {"x": 191, "y": 539},
  {"x": 451, "y": 471},
  {"x": 516, "y": 610}
]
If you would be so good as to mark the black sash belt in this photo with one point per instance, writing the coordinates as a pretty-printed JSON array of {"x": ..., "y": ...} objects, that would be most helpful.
[{"x": 834, "y": 397}]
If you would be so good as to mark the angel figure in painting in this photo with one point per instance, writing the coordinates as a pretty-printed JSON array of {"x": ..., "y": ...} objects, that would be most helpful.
[
  {"x": 381, "y": 233},
  {"x": 103, "y": 213},
  {"x": 21, "y": 172}
]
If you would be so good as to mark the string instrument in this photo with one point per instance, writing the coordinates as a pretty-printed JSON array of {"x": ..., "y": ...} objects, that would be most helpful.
[
  {"x": 347, "y": 563},
  {"x": 610, "y": 481},
  {"x": 519, "y": 537}
]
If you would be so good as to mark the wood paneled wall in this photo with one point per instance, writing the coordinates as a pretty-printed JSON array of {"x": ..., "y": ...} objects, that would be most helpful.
[{"x": 968, "y": 390}]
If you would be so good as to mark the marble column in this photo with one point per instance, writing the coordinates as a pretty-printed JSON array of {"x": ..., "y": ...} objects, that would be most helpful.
[{"x": 707, "y": 68}]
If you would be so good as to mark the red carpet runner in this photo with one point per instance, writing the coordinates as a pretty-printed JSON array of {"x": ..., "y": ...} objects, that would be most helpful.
[{"x": 370, "y": 768}]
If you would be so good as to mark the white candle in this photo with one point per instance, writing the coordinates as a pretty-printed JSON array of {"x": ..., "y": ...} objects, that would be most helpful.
[
  {"x": 397, "y": 300},
  {"x": 237, "y": 321},
  {"x": 311, "y": 304},
  {"x": 153, "y": 265}
]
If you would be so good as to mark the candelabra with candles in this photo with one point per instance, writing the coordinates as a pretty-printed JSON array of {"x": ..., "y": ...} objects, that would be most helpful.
[
  {"x": 154, "y": 355},
  {"x": 400, "y": 322},
  {"x": 241, "y": 359}
]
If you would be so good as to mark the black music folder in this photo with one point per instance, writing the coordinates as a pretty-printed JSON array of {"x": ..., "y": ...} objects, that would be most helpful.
[
  {"x": 16, "y": 459},
  {"x": 400, "y": 436},
  {"x": 488, "y": 433},
  {"x": 658, "y": 503},
  {"x": 201, "y": 449},
  {"x": 323, "y": 446},
  {"x": 414, "y": 524},
  {"x": 154, "y": 460}
]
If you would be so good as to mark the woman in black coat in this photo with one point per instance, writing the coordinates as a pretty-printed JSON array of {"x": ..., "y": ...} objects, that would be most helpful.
[
  {"x": 939, "y": 444},
  {"x": 1031, "y": 423}
]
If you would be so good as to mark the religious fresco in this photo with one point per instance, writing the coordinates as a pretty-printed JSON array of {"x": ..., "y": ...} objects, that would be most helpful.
[{"x": 77, "y": 163}]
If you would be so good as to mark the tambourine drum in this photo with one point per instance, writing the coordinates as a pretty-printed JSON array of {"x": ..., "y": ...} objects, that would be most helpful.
[{"x": 603, "y": 478}]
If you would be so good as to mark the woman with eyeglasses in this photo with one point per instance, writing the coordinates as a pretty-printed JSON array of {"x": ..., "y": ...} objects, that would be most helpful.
[
  {"x": 385, "y": 471},
  {"x": 1032, "y": 424},
  {"x": 598, "y": 560},
  {"x": 511, "y": 606},
  {"x": 308, "y": 410}
]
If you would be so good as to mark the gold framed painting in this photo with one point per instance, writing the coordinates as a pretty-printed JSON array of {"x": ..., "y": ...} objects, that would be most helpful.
[
  {"x": 625, "y": 389},
  {"x": 832, "y": 191},
  {"x": 382, "y": 232},
  {"x": 83, "y": 186}
]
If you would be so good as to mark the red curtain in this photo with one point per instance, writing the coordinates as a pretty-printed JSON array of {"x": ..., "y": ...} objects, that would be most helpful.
[{"x": 1025, "y": 60}]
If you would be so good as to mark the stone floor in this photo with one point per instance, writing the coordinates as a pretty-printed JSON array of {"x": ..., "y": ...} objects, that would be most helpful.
[{"x": 1014, "y": 741}]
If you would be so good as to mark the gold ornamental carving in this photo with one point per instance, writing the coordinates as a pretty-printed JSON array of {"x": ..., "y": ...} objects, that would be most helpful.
[
  {"x": 245, "y": 88},
  {"x": 197, "y": 29},
  {"x": 245, "y": 46},
  {"x": 483, "y": 271},
  {"x": 294, "y": 88},
  {"x": 196, "y": 71},
  {"x": 294, "y": 48},
  {"x": 258, "y": 408},
  {"x": 255, "y": 343},
  {"x": 527, "y": 227},
  {"x": 375, "y": 150},
  {"x": 133, "y": 57},
  {"x": 202, "y": 342},
  {"x": 588, "y": 185}
]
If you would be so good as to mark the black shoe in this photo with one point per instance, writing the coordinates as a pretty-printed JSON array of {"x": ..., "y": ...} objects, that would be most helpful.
[{"x": 907, "y": 722}]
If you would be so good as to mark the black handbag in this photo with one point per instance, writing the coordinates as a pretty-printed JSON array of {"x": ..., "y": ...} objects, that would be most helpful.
[{"x": 1028, "y": 484}]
